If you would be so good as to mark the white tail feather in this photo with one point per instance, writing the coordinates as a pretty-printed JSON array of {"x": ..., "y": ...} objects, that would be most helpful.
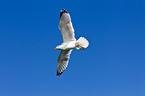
[{"x": 82, "y": 43}]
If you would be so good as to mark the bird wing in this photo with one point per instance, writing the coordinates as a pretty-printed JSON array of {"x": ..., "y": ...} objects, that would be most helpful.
[
  {"x": 65, "y": 26},
  {"x": 62, "y": 61}
]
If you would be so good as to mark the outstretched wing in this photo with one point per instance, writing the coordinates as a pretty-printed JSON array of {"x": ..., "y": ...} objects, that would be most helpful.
[
  {"x": 62, "y": 61},
  {"x": 65, "y": 26}
]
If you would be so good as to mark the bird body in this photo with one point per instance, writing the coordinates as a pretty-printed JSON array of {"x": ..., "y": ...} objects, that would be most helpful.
[
  {"x": 67, "y": 45},
  {"x": 69, "y": 41}
]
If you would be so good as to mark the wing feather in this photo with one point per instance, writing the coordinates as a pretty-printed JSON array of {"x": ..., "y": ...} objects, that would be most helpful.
[
  {"x": 62, "y": 61},
  {"x": 66, "y": 27}
]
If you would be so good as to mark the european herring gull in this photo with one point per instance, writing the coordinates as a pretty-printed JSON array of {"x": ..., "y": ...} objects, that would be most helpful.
[{"x": 69, "y": 41}]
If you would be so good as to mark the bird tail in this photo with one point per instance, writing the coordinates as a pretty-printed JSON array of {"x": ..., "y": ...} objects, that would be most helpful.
[{"x": 82, "y": 43}]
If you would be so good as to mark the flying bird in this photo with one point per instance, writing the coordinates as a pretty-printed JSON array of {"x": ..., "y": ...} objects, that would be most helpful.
[{"x": 69, "y": 41}]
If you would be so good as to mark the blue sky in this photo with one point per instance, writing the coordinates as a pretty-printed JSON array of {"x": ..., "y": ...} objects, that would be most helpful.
[{"x": 113, "y": 64}]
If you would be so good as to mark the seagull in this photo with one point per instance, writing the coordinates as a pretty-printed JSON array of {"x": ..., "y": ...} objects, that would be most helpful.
[{"x": 69, "y": 41}]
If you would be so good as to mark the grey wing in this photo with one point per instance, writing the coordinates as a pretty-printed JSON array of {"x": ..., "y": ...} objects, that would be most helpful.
[
  {"x": 62, "y": 61},
  {"x": 66, "y": 27}
]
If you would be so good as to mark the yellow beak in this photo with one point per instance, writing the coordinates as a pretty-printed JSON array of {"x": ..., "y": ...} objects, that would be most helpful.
[{"x": 55, "y": 48}]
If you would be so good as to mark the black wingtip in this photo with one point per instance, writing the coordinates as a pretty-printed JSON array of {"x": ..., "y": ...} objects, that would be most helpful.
[
  {"x": 58, "y": 74},
  {"x": 63, "y": 11}
]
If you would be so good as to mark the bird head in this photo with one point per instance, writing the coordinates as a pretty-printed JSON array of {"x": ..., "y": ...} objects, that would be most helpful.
[{"x": 58, "y": 47}]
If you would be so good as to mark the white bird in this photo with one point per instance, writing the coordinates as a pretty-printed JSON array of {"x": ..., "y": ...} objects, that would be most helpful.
[{"x": 69, "y": 41}]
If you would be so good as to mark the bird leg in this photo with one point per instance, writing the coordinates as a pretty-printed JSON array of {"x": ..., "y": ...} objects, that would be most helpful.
[{"x": 82, "y": 48}]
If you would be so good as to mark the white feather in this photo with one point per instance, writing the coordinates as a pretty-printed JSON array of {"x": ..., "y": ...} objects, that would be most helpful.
[{"x": 82, "y": 42}]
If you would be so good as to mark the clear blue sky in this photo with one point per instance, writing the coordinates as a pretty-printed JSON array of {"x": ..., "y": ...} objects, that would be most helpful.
[{"x": 113, "y": 64}]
